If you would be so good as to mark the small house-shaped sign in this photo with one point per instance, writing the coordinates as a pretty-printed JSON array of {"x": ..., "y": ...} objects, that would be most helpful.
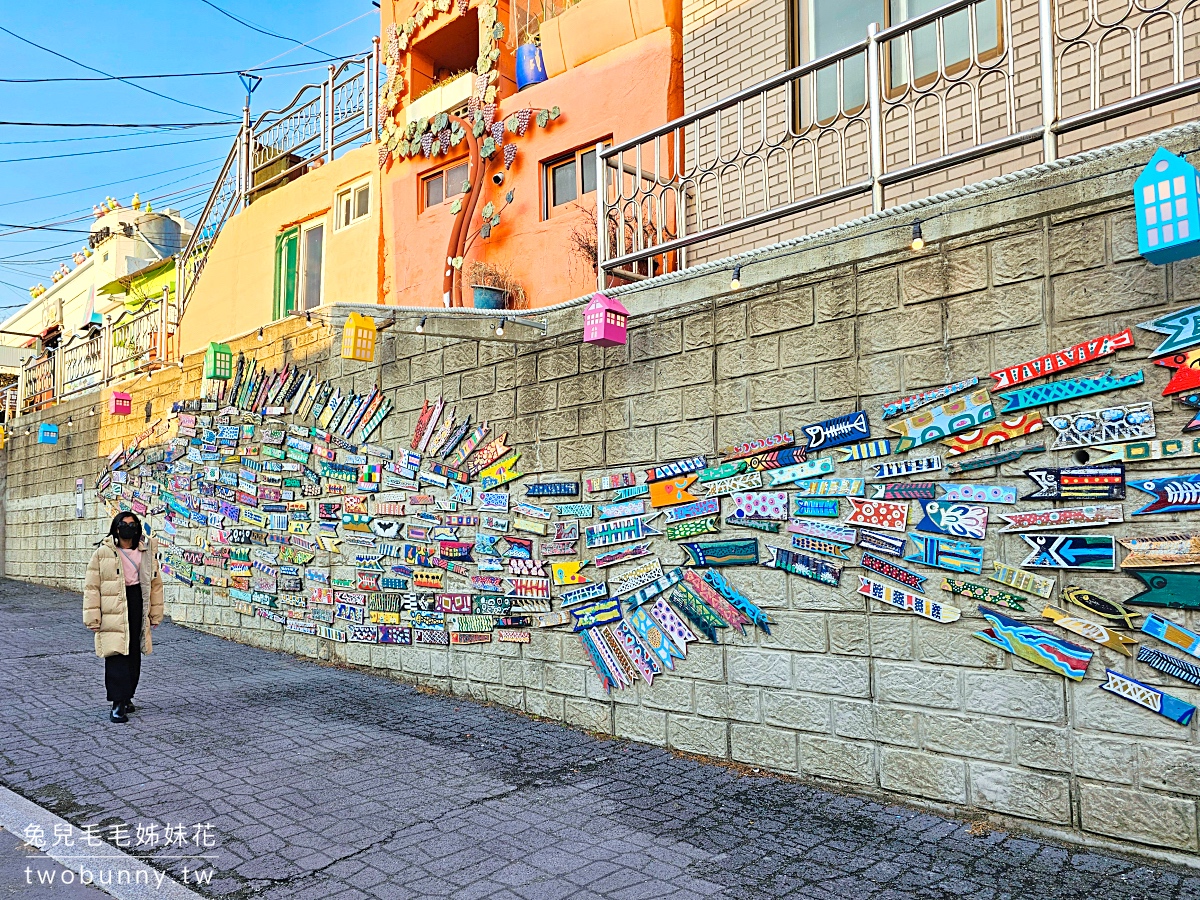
[
  {"x": 120, "y": 403},
  {"x": 1167, "y": 198},
  {"x": 47, "y": 434},
  {"x": 358, "y": 338},
  {"x": 218, "y": 362},
  {"x": 604, "y": 321}
]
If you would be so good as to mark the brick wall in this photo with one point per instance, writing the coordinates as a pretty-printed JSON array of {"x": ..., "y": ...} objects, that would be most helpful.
[{"x": 842, "y": 690}]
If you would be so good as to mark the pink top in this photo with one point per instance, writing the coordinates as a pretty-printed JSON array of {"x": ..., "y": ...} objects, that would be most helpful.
[{"x": 131, "y": 561}]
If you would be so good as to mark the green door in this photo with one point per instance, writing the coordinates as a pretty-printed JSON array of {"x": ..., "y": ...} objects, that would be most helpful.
[{"x": 287, "y": 259}]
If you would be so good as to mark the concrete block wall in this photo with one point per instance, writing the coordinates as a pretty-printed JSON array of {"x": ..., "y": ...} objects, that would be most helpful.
[{"x": 843, "y": 690}]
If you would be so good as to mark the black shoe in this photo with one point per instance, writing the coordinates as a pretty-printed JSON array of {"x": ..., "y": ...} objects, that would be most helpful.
[
  {"x": 117, "y": 714},
  {"x": 127, "y": 707}
]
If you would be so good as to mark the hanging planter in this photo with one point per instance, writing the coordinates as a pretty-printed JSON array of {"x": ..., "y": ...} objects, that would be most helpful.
[
  {"x": 493, "y": 286},
  {"x": 531, "y": 67},
  {"x": 487, "y": 297}
]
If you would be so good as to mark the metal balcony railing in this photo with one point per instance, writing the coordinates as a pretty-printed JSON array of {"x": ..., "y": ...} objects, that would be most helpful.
[
  {"x": 281, "y": 144},
  {"x": 892, "y": 118}
]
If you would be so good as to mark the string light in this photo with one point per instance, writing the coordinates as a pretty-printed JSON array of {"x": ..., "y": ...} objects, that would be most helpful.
[
  {"x": 91, "y": 412},
  {"x": 918, "y": 242},
  {"x": 500, "y": 328},
  {"x": 421, "y": 326},
  {"x": 181, "y": 362},
  {"x": 736, "y": 281},
  {"x": 260, "y": 333},
  {"x": 307, "y": 318}
]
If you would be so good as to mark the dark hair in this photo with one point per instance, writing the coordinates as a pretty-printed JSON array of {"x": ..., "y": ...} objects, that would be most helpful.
[{"x": 118, "y": 518}]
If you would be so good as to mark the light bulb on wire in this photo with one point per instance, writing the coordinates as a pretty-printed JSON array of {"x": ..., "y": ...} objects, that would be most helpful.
[
  {"x": 736, "y": 281},
  {"x": 500, "y": 328},
  {"x": 260, "y": 333},
  {"x": 421, "y": 326},
  {"x": 918, "y": 242}
]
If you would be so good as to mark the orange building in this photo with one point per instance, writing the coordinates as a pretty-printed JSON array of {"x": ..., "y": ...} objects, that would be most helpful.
[{"x": 458, "y": 179}]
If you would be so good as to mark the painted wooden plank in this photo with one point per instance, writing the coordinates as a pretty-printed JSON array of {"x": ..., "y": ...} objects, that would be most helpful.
[
  {"x": 1179, "y": 590},
  {"x": 900, "y": 490},
  {"x": 775, "y": 459},
  {"x": 995, "y": 432},
  {"x": 1066, "y": 517},
  {"x": 722, "y": 553},
  {"x": 926, "y": 607},
  {"x": 1067, "y": 358},
  {"x": 676, "y": 469},
  {"x": 821, "y": 546},
  {"x": 709, "y": 506},
  {"x": 831, "y": 487},
  {"x": 621, "y": 554},
  {"x": 979, "y": 493},
  {"x": 677, "y": 531},
  {"x": 846, "y": 429},
  {"x": 880, "y": 542},
  {"x": 628, "y": 493},
  {"x": 961, "y": 520},
  {"x": 1093, "y": 602},
  {"x": 721, "y": 472},
  {"x": 982, "y": 592},
  {"x": 671, "y": 491},
  {"x": 1182, "y": 330},
  {"x": 770, "y": 506},
  {"x": 755, "y": 447},
  {"x": 1034, "y": 645},
  {"x": 809, "y": 506},
  {"x": 1078, "y": 483},
  {"x": 603, "y": 483},
  {"x": 810, "y": 567},
  {"x": 1108, "y": 425},
  {"x": 811, "y": 468},
  {"x": 1068, "y": 389},
  {"x": 648, "y": 592},
  {"x": 1093, "y": 631},
  {"x": 941, "y": 553},
  {"x": 943, "y": 420},
  {"x": 1164, "y": 550},
  {"x": 910, "y": 579},
  {"x": 738, "y": 600},
  {"x": 583, "y": 594},
  {"x": 868, "y": 450},
  {"x": 1169, "y": 664},
  {"x": 1171, "y": 493},
  {"x": 617, "y": 531},
  {"x": 552, "y": 489},
  {"x": 1186, "y": 371},
  {"x": 893, "y": 408},
  {"x": 621, "y": 510},
  {"x": 839, "y": 533},
  {"x": 638, "y": 576},
  {"x": 988, "y": 462},
  {"x": 746, "y": 481},
  {"x": 1170, "y": 633},
  {"x": 1151, "y": 698},
  {"x": 885, "y": 514},
  {"x": 702, "y": 617},
  {"x": 900, "y": 468},
  {"x": 1149, "y": 451},
  {"x": 1070, "y": 551}
]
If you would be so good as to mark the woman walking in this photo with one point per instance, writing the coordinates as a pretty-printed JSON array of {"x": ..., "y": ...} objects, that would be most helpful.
[{"x": 122, "y": 575}]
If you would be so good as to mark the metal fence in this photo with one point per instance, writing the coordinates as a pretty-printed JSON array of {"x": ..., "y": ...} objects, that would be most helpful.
[
  {"x": 891, "y": 118},
  {"x": 119, "y": 348},
  {"x": 281, "y": 144}
]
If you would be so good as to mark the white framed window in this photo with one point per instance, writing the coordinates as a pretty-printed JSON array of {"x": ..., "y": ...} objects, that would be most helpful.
[
  {"x": 351, "y": 205},
  {"x": 312, "y": 265}
]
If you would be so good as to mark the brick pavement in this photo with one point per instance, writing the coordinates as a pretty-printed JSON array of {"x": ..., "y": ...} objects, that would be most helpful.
[{"x": 328, "y": 783}]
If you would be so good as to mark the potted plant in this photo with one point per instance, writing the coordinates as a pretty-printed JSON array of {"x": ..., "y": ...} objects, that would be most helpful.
[
  {"x": 494, "y": 287},
  {"x": 531, "y": 67}
]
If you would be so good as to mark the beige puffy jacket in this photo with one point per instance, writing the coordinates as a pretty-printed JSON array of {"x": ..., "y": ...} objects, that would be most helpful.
[{"x": 104, "y": 606}]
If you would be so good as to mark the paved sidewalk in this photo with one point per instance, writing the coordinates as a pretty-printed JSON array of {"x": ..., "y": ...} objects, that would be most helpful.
[{"x": 325, "y": 783}]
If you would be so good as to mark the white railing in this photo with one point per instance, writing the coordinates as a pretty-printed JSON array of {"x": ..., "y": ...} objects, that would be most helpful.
[
  {"x": 890, "y": 119},
  {"x": 121, "y": 347},
  {"x": 280, "y": 145}
]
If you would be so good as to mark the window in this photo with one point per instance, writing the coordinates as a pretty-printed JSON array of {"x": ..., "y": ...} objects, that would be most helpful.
[
  {"x": 352, "y": 204},
  {"x": 817, "y": 28},
  {"x": 568, "y": 178},
  {"x": 443, "y": 185},
  {"x": 299, "y": 263}
]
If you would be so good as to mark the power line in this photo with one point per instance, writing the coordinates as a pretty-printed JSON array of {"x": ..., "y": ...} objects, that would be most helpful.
[
  {"x": 108, "y": 184},
  {"x": 254, "y": 27},
  {"x": 42, "y": 228},
  {"x": 262, "y": 64},
  {"x": 123, "y": 124},
  {"x": 82, "y": 78},
  {"x": 215, "y": 137},
  {"x": 102, "y": 72}
]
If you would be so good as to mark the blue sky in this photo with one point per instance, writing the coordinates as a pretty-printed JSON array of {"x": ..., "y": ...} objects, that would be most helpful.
[{"x": 137, "y": 38}]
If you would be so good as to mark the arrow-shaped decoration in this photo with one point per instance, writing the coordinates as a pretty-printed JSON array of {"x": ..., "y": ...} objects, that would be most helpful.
[
  {"x": 923, "y": 606},
  {"x": 1108, "y": 609},
  {"x": 1093, "y": 631},
  {"x": 1067, "y": 358},
  {"x": 1035, "y": 646},
  {"x": 617, "y": 531},
  {"x": 812, "y": 468},
  {"x": 1186, "y": 366},
  {"x": 941, "y": 553},
  {"x": 1182, "y": 669},
  {"x": 868, "y": 450},
  {"x": 1070, "y": 551},
  {"x": 1179, "y": 590},
  {"x": 1170, "y": 633},
  {"x": 1163, "y": 550},
  {"x": 943, "y": 420},
  {"x": 722, "y": 553},
  {"x": 1150, "y": 697},
  {"x": 1171, "y": 493},
  {"x": 809, "y": 567},
  {"x": 1181, "y": 327},
  {"x": 837, "y": 431},
  {"x": 979, "y": 592},
  {"x": 738, "y": 600},
  {"x": 1149, "y": 451},
  {"x": 806, "y": 544},
  {"x": 1070, "y": 389},
  {"x": 894, "y": 408},
  {"x": 1066, "y": 517},
  {"x": 899, "y": 574}
]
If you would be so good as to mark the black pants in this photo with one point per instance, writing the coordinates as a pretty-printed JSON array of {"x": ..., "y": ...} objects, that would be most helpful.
[{"x": 121, "y": 672}]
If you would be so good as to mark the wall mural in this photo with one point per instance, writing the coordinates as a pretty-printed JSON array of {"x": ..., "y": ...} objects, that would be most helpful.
[{"x": 275, "y": 495}]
